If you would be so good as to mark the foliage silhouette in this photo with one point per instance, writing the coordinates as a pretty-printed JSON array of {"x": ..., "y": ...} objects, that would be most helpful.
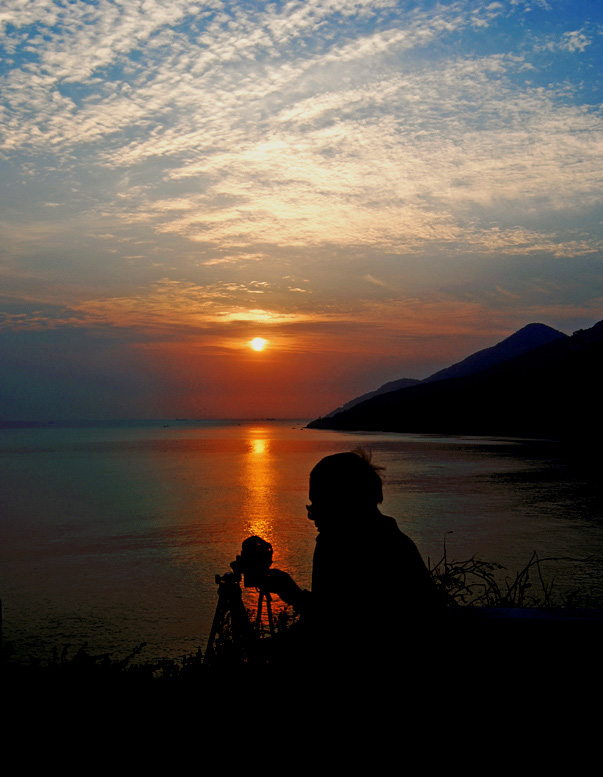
[{"x": 476, "y": 583}]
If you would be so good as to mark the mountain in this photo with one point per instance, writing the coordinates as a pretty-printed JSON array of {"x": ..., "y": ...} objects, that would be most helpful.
[
  {"x": 525, "y": 339},
  {"x": 549, "y": 391},
  {"x": 391, "y": 386}
]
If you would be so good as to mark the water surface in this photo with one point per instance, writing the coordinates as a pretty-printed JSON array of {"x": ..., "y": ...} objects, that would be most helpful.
[{"x": 112, "y": 534}]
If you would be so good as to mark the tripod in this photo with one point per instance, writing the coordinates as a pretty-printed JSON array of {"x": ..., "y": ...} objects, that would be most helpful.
[
  {"x": 231, "y": 614},
  {"x": 258, "y": 618}
]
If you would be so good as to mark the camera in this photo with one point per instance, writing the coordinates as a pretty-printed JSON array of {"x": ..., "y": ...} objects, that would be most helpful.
[{"x": 254, "y": 562}]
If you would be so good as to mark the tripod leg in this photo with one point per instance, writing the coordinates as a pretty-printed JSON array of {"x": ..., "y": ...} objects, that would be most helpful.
[
  {"x": 269, "y": 610},
  {"x": 216, "y": 625},
  {"x": 258, "y": 617}
]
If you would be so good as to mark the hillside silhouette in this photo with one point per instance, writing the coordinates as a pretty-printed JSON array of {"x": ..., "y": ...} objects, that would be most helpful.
[
  {"x": 546, "y": 391},
  {"x": 525, "y": 339},
  {"x": 529, "y": 337},
  {"x": 393, "y": 385}
]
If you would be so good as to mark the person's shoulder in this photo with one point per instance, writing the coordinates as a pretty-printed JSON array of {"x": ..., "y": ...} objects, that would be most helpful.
[{"x": 390, "y": 526}]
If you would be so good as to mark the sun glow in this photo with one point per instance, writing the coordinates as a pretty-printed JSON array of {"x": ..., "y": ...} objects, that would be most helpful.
[{"x": 258, "y": 344}]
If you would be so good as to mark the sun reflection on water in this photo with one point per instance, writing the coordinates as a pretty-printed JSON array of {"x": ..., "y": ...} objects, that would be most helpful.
[
  {"x": 259, "y": 480},
  {"x": 260, "y": 503}
]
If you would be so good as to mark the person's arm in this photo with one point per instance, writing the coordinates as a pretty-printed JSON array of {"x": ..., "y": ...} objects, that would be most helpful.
[{"x": 283, "y": 585}]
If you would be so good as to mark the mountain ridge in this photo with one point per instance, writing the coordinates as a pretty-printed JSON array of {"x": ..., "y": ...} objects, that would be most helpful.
[
  {"x": 524, "y": 339},
  {"x": 549, "y": 391},
  {"x": 392, "y": 385}
]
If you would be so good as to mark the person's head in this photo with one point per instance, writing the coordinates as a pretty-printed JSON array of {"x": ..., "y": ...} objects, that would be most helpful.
[{"x": 345, "y": 485}]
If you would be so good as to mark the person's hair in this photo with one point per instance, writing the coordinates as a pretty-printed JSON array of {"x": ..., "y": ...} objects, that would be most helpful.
[{"x": 349, "y": 478}]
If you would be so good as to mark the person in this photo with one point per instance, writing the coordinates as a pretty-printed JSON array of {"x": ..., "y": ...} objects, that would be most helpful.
[{"x": 371, "y": 589}]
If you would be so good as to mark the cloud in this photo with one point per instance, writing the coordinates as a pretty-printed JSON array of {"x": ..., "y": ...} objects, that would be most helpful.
[
  {"x": 572, "y": 41},
  {"x": 376, "y": 164},
  {"x": 376, "y": 281},
  {"x": 203, "y": 154}
]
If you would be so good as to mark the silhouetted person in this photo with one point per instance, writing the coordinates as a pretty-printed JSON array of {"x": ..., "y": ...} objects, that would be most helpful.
[{"x": 371, "y": 590}]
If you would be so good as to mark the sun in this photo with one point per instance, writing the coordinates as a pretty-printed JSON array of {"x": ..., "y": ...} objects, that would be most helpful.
[{"x": 258, "y": 343}]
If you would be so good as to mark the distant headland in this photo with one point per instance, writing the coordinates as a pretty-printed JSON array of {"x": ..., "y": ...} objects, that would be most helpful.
[{"x": 536, "y": 383}]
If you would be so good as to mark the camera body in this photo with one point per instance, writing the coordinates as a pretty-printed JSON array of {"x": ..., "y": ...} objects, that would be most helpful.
[{"x": 254, "y": 561}]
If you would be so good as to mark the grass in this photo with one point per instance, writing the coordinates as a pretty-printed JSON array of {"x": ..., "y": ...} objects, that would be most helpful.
[{"x": 477, "y": 583}]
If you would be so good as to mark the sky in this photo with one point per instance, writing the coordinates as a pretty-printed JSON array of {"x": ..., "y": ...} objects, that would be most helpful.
[{"x": 376, "y": 188}]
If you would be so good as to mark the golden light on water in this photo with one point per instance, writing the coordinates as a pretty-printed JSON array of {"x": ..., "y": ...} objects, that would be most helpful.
[
  {"x": 258, "y": 343},
  {"x": 259, "y": 480},
  {"x": 260, "y": 505},
  {"x": 259, "y": 447}
]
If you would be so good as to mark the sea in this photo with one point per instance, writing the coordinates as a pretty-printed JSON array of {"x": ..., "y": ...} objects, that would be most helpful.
[{"x": 113, "y": 533}]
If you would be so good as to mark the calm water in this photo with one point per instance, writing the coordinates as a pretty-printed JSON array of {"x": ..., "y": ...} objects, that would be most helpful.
[{"x": 112, "y": 535}]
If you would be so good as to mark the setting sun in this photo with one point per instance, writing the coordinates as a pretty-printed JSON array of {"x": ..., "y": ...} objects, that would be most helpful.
[{"x": 258, "y": 344}]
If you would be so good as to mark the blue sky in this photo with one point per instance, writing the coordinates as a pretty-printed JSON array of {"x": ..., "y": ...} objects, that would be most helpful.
[{"x": 376, "y": 188}]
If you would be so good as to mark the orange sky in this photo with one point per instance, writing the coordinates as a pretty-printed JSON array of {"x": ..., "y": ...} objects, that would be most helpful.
[{"x": 378, "y": 189}]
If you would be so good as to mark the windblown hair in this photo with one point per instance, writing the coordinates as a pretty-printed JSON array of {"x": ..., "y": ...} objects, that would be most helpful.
[{"x": 350, "y": 478}]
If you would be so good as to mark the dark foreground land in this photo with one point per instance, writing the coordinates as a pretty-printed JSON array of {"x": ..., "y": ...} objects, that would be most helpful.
[{"x": 472, "y": 648}]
